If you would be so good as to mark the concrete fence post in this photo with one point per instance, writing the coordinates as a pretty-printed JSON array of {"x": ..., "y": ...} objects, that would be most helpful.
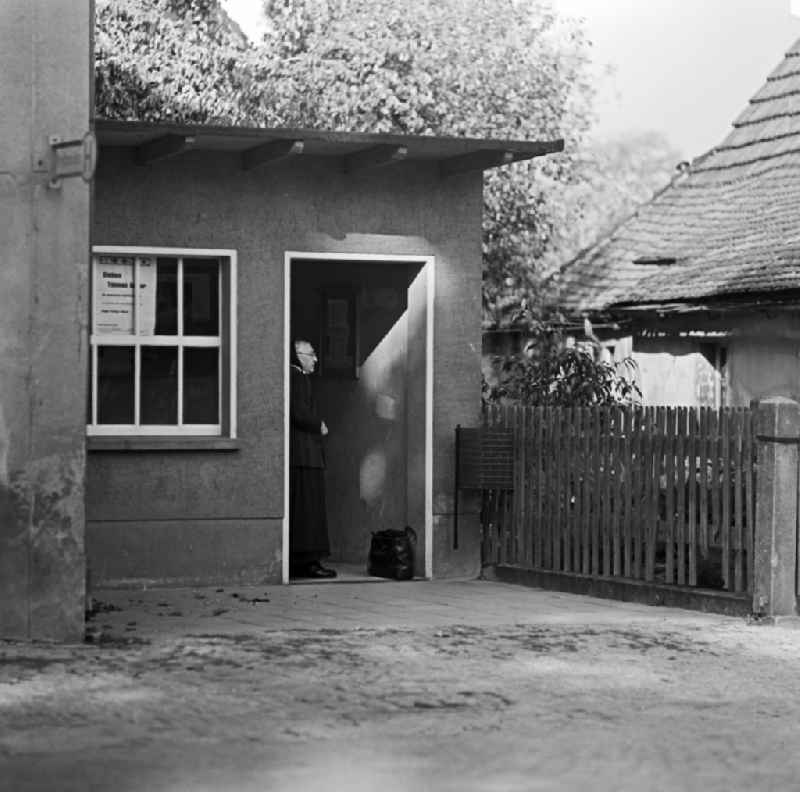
[{"x": 775, "y": 550}]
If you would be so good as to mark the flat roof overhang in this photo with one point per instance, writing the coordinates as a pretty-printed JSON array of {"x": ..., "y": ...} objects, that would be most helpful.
[{"x": 257, "y": 147}]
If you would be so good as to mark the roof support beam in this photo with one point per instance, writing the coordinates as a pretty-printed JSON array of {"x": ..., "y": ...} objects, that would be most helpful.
[
  {"x": 483, "y": 159},
  {"x": 162, "y": 148},
  {"x": 273, "y": 151},
  {"x": 374, "y": 157},
  {"x": 477, "y": 160}
]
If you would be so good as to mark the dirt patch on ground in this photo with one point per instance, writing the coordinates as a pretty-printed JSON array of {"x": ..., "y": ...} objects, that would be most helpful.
[{"x": 461, "y": 707}]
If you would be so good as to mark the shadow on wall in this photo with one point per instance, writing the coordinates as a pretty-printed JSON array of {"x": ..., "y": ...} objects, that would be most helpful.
[{"x": 367, "y": 447}]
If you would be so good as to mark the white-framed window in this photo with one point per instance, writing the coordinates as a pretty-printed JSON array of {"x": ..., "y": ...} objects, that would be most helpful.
[{"x": 162, "y": 342}]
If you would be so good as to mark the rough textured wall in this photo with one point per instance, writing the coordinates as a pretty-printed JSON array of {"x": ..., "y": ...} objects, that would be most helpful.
[
  {"x": 671, "y": 371},
  {"x": 759, "y": 368},
  {"x": 44, "y": 237},
  {"x": 184, "y": 552},
  {"x": 200, "y": 200},
  {"x": 763, "y": 359},
  {"x": 764, "y": 356}
]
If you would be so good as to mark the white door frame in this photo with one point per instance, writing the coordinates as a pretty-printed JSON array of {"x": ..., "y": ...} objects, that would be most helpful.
[{"x": 428, "y": 264}]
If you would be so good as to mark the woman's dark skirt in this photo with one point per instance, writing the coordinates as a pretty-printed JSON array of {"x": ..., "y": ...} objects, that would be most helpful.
[{"x": 308, "y": 521}]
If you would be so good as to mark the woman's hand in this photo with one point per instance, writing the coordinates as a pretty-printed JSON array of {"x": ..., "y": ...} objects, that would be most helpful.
[{"x": 323, "y": 429}]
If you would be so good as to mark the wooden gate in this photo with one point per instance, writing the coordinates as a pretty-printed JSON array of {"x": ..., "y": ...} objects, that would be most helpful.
[{"x": 660, "y": 494}]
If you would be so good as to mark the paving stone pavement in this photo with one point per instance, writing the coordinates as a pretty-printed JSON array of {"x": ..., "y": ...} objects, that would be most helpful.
[{"x": 445, "y": 685}]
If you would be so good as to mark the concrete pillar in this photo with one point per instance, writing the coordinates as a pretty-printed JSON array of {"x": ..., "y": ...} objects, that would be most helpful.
[
  {"x": 775, "y": 561},
  {"x": 45, "y": 79}
]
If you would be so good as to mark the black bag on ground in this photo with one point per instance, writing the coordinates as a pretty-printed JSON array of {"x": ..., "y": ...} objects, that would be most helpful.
[{"x": 391, "y": 553}]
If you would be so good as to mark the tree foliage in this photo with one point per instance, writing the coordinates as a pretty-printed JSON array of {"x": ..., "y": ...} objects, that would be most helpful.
[
  {"x": 172, "y": 60},
  {"x": 614, "y": 177},
  {"x": 551, "y": 373},
  {"x": 480, "y": 68}
]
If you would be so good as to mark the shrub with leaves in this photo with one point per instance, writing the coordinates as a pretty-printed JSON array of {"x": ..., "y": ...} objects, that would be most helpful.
[{"x": 549, "y": 373}]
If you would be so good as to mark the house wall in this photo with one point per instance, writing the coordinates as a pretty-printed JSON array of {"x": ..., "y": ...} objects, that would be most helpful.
[
  {"x": 761, "y": 359},
  {"x": 182, "y": 517},
  {"x": 44, "y": 249},
  {"x": 764, "y": 359},
  {"x": 674, "y": 371}
]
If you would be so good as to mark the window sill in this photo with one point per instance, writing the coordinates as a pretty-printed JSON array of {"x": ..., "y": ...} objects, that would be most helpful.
[{"x": 122, "y": 443}]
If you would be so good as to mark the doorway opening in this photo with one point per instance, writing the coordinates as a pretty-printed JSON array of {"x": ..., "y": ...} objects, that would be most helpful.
[{"x": 370, "y": 318}]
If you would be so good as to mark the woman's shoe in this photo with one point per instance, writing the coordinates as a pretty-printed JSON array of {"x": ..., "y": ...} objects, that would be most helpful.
[{"x": 316, "y": 570}]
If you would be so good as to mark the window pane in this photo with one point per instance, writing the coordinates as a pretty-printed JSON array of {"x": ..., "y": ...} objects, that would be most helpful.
[
  {"x": 159, "y": 389},
  {"x": 167, "y": 297},
  {"x": 115, "y": 385},
  {"x": 201, "y": 297},
  {"x": 201, "y": 386}
]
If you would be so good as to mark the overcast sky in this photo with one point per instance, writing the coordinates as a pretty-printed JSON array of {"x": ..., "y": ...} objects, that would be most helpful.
[{"x": 682, "y": 67}]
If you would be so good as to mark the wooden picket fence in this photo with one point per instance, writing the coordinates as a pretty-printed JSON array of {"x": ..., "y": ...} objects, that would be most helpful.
[{"x": 660, "y": 494}]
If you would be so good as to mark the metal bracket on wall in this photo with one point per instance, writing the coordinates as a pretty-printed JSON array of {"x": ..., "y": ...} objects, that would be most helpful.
[{"x": 69, "y": 158}]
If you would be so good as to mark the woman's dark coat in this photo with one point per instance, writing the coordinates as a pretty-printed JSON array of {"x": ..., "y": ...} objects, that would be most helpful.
[
  {"x": 305, "y": 448},
  {"x": 308, "y": 521}
]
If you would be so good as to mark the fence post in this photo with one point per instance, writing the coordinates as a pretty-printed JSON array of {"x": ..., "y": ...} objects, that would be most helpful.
[{"x": 775, "y": 545}]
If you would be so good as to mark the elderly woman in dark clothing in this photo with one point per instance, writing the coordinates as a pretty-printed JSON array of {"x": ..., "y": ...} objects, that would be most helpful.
[{"x": 308, "y": 522}]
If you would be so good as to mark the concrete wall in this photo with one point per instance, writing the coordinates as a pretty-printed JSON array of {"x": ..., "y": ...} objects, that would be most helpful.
[
  {"x": 44, "y": 237},
  {"x": 192, "y": 503}
]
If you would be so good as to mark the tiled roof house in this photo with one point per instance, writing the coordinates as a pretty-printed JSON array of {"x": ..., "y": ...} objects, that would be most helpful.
[{"x": 710, "y": 266}]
